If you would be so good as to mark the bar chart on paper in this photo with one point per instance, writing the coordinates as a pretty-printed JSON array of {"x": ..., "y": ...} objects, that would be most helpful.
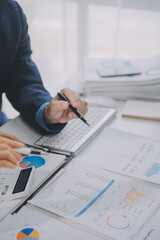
[
  {"x": 134, "y": 196},
  {"x": 108, "y": 203}
]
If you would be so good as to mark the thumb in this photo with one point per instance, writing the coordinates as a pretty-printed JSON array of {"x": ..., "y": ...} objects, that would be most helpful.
[
  {"x": 55, "y": 110},
  {"x": 58, "y": 106}
]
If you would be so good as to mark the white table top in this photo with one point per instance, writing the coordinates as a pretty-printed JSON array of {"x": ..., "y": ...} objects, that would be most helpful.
[{"x": 146, "y": 128}]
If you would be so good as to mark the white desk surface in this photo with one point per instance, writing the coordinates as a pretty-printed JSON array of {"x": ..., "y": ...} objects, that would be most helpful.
[
  {"x": 146, "y": 128},
  {"x": 141, "y": 127}
]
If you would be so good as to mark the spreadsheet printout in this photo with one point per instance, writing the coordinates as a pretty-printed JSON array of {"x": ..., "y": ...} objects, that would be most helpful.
[
  {"x": 103, "y": 201},
  {"x": 124, "y": 153}
]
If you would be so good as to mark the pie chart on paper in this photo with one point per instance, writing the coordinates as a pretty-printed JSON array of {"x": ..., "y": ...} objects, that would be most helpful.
[
  {"x": 32, "y": 161},
  {"x": 28, "y": 234}
]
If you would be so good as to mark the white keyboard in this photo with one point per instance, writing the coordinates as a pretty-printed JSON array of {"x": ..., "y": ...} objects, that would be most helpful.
[{"x": 76, "y": 130}]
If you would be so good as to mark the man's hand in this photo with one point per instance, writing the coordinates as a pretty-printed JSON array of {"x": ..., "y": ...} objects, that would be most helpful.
[
  {"x": 58, "y": 111},
  {"x": 8, "y": 157}
]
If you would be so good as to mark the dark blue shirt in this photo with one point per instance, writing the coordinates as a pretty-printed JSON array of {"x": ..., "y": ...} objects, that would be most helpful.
[{"x": 19, "y": 76}]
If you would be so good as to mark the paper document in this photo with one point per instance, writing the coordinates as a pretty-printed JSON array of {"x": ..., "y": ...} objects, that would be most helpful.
[
  {"x": 103, "y": 201},
  {"x": 142, "y": 86},
  {"x": 148, "y": 66},
  {"x": 44, "y": 166},
  {"x": 142, "y": 110},
  {"x": 124, "y": 153},
  {"x": 31, "y": 224},
  {"x": 113, "y": 71},
  {"x": 7, "y": 207}
]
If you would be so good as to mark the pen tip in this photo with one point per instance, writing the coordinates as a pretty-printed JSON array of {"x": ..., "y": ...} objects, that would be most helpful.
[{"x": 88, "y": 124}]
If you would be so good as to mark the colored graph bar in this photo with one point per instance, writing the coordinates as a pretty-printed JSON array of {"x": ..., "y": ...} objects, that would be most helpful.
[
  {"x": 95, "y": 199},
  {"x": 134, "y": 196},
  {"x": 155, "y": 168}
]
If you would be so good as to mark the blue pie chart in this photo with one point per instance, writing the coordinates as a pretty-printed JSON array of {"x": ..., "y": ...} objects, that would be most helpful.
[{"x": 32, "y": 161}]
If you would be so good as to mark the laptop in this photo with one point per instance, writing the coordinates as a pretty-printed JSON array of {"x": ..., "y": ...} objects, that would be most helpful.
[{"x": 71, "y": 139}]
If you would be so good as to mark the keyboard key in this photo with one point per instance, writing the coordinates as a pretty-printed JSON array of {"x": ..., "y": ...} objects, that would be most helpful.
[{"x": 75, "y": 131}]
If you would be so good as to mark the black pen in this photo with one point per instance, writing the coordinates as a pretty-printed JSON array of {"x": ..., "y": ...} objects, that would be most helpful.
[{"x": 78, "y": 114}]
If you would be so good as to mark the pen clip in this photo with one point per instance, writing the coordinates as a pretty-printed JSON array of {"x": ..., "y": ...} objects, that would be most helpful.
[{"x": 63, "y": 97}]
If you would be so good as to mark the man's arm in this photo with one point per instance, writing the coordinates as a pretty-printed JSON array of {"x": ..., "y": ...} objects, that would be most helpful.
[{"x": 26, "y": 91}]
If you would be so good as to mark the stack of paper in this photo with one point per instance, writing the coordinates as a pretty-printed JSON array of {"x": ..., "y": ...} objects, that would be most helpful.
[{"x": 123, "y": 78}]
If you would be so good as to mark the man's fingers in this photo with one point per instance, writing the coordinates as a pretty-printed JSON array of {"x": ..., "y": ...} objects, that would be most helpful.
[
  {"x": 72, "y": 115},
  {"x": 84, "y": 111},
  {"x": 58, "y": 106},
  {"x": 6, "y": 164},
  {"x": 55, "y": 110},
  {"x": 6, "y": 148},
  {"x": 14, "y": 144},
  {"x": 72, "y": 96},
  {"x": 75, "y": 100},
  {"x": 58, "y": 111},
  {"x": 11, "y": 143},
  {"x": 9, "y": 136},
  {"x": 18, "y": 156},
  {"x": 9, "y": 154}
]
